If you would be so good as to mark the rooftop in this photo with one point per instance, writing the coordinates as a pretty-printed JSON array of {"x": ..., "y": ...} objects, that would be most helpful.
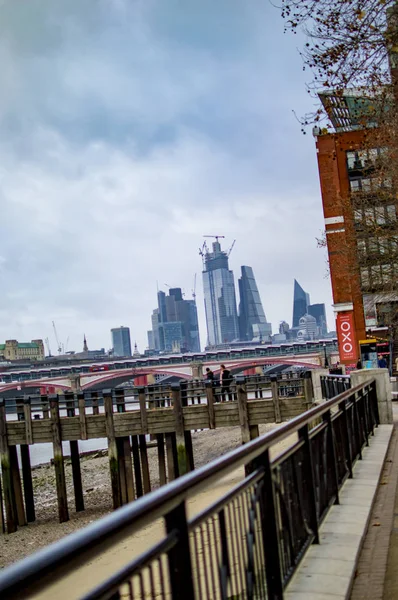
[{"x": 352, "y": 109}]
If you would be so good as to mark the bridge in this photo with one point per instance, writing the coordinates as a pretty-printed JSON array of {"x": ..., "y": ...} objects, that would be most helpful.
[
  {"x": 94, "y": 376},
  {"x": 288, "y": 523}
]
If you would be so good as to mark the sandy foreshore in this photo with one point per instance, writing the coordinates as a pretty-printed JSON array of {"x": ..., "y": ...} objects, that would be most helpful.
[{"x": 97, "y": 493}]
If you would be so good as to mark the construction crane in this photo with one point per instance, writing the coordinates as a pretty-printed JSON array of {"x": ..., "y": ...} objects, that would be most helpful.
[
  {"x": 194, "y": 289},
  {"x": 59, "y": 346},
  {"x": 230, "y": 250},
  {"x": 218, "y": 237}
]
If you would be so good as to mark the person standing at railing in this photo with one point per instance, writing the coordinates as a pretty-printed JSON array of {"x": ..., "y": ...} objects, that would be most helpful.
[{"x": 226, "y": 380}]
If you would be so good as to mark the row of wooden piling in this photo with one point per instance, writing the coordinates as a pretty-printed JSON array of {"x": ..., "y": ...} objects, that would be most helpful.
[{"x": 127, "y": 454}]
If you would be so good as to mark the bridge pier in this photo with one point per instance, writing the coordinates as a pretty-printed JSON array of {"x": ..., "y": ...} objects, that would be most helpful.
[{"x": 197, "y": 370}]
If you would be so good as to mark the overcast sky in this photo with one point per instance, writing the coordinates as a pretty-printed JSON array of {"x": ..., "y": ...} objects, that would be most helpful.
[{"x": 128, "y": 130}]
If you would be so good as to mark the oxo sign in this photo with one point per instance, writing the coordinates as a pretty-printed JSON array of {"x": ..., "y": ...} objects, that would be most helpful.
[{"x": 346, "y": 336}]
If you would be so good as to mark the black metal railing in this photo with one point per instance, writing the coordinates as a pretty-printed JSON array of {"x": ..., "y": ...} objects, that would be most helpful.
[
  {"x": 246, "y": 544},
  {"x": 332, "y": 385}
]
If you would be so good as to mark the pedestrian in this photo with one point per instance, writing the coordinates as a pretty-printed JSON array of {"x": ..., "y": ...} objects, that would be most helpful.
[
  {"x": 359, "y": 364},
  {"x": 382, "y": 362},
  {"x": 209, "y": 374},
  {"x": 226, "y": 380}
]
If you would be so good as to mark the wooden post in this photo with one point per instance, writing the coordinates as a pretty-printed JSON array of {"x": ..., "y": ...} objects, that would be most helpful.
[
  {"x": 137, "y": 465},
  {"x": 112, "y": 449},
  {"x": 144, "y": 464},
  {"x": 82, "y": 415},
  {"x": 308, "y": 391},
  {"x": 16, "y": 477},
  {"x": 8, "y": 488},
  {"x": 189, "y": 447},
  {"x": 128, "y": 468},
  {"x": 171, "y": 451},
  {"x": 124, "y": 456},
  {"x": 75, "y": 456},
  {"x": 143, "y": 413},
  {"x": 27, "y": 484},
  {"x": 2, "y": 519},
  {"x": 182, "y": 454},
  {"x": 161, "y": 458},
  {"x": 242, "y": 408},
  {"x": 121, "y": 469},
  {"x": 210, "y": 404},
  {"x": 25, "y": 462},
  {"x": 44, "y": 404},
  {"x": 94, "y": 399},
  {"x": 58, "y": 459},
  {"x": 275, "y": 398},
  {"x": 28, "y": 421}
]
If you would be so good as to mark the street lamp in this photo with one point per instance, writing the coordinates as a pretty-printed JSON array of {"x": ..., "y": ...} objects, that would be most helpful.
[{"x": 326, "y": 356}]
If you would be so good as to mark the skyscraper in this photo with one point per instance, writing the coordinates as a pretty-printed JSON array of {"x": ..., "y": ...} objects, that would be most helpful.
[
  {"x": 175, "y": 323},
  {"x": 220, "y": 299},
  {"x": 319, "y": 312},
  {"x": 121, "y": 341},
  {"x": 301, "y": 301},
  {"x": 252, "y": 321}
]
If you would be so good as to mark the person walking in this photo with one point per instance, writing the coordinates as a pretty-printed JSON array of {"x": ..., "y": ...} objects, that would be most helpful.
[
  {"x": 209, "y": 374},
  {"x": 382, "y": 362},
  {"x": 226, "y": 380}
]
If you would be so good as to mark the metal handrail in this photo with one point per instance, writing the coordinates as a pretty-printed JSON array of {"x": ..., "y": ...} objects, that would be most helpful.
[{"x": 55, "y": 561}]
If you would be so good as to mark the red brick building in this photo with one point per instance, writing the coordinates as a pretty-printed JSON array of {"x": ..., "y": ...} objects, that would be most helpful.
[{"x": 359, "y": 268}]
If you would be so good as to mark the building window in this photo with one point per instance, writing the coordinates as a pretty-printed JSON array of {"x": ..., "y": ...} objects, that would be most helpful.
[
  {"x": 354, "y": 185},
  {"x": 376, "y": 275},
  {"x": 365, "y": 278},
  {"x": 380, "y": 215},
  {"x": 373, "y": 245},
  {"x": 391, "y": 212},
  {"x": 361, "y": 247}
]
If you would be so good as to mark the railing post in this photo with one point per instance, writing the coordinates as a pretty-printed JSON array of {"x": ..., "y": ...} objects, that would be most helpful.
[
  {"x": 269, "y": 528},
  {"x": 310, "y": 479},
  {"x": 348, "y": 447},
  {"x": 242, "y": 408},
  {"x": 58, "y": 459},
  {"x": 8, "y": 486},
  {"x": 308, "y": 391},
  {"x": 210, "y": 404},
  {"x": 180, "y": 566},
  {"x": 327, "y": 417},
  {"x": 275, "y": 398},
  {"x": 182, "y": 453}
]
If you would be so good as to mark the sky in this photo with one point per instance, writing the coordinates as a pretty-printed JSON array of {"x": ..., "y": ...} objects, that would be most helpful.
[{"x": 128, "y": 130}]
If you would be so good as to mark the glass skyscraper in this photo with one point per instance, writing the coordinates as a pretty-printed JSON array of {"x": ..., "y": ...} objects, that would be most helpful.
[
  {"x": 175, "y": 324},
  {"x": 220, "y": 299},
  {"x": 301, "y": 301},
  {"x": 121, "y": 341},
  {"x": 252, "y": 321}
]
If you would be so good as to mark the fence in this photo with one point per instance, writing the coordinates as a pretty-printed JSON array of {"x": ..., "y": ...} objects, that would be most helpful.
[
  {"x": 166, "y": 413},
  {"x": 247, "y": 544},
  {"x": 332, "y": 385}
]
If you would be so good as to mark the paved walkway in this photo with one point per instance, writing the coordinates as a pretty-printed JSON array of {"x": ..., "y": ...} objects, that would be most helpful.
[{"x": 377, "y": 569}]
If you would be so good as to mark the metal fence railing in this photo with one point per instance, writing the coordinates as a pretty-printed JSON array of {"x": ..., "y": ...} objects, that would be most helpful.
[
  {"x": 248, "y": 543},
  {"x": 332, "y": 385}
]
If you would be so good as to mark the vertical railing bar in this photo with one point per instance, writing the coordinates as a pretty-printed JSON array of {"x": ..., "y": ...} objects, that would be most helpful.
[
  {"x": 270, "y": 533},
  {"x": 347, "y": 437},
  {"x": 304, "y": 435}
]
